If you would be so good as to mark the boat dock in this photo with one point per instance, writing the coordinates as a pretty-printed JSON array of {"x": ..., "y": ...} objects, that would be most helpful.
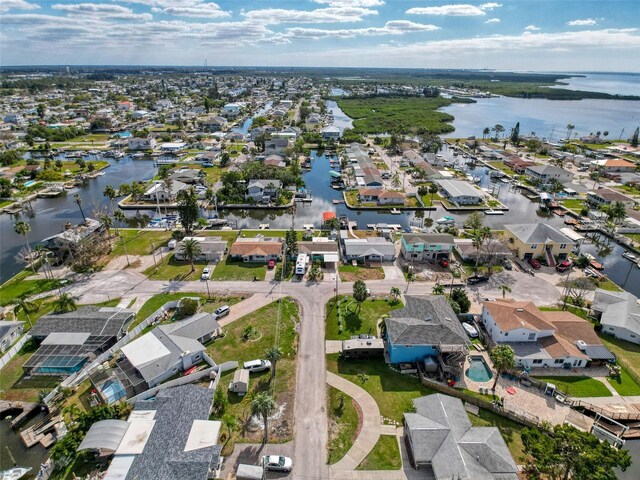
[
  {"x": 40, "y": 432},
  {"x": 26, "y": 408}
]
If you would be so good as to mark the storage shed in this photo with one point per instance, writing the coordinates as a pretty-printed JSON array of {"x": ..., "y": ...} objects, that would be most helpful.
[{"x": 240, "y": 383}]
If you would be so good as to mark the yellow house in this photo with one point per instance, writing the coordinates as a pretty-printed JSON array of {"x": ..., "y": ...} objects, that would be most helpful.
[{"x": 531, "y": 240}]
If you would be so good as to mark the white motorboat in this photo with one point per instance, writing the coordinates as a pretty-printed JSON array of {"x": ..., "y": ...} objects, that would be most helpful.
[
  {"x": 446, "y": 220},
  {"x": 395, "y": 211},
  {"x": 493, "y": 212},
  {"x": 14, "y": 473},
  {"x": 630, "y": 256}
]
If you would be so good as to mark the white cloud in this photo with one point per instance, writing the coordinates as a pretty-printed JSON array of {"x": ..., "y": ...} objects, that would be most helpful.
[
  {"x": 458, "y": 10},
  {"x": 493, "y": 20},
  {"x": 587, "y": 22},
  {"x": 101, "y": 11},
  {"x": 274, "y": 16},
  {"x": 351, "y": 3},
  {"x": 531, "y": 28},
  {"x": 394, "y": 27},
  {"x": 194, "y": 8},
  {"x": 6, "y": 5}
]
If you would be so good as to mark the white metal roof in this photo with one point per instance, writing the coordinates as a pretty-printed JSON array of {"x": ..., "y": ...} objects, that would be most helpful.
[
  {"x": 203, "y": 434},
  {"x": 331, "y": 257},
  {"x": 119, "y": 467},
  {"x": 572, "y": 234},
  {"x": 146, "y": 349},
  {"x": 66, "y": 338},
  {"x": 105, "y": 434},
  {"x": 135, "y": 437}
]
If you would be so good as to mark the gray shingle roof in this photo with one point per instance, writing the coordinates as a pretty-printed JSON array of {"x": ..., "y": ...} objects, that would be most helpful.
[
  {"x": 428, "y": 238},
  {"x": 441, "y": 434},
  {"x": 194, "y": 327},
  {"x": 425, "y": 320},
  {"x": 99, "y": 321},
  {"x": 538, "y": 233},
  {"x": 164, "y": 457}
]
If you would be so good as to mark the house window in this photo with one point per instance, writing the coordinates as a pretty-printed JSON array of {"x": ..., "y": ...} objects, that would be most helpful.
[
  {"x": 506, "y": 334},
  {"x": 532, "y": 336},
  {"x": 563, "y": 246},
  {"x": 558, "y": 360},
  {"x": 611, "y": 328},
  {"x": 534, "y": 246},
  {"x": 632, "y": 335},
  {"x": 537, "y": 360}
]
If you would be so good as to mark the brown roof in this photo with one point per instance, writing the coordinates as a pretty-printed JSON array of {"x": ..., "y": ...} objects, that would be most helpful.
[
  {"x": 611, "y": 195},
  {"x": 509, "y": 315},
  {"x": 391, "y": 194},
  {"x": 616, "y": 162},
  {"x": 559, "y": 347},
  {"x": 369, "y": 192},
  {"x": 317, "y": 247},
  {"x": 572, "y": 328},
  {"x": 256, "y": 248}
]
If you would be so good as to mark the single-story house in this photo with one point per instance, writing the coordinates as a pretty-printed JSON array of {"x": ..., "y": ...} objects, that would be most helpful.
[
  {"x": 10, "y": 331},
  {"x": 173, "y": 146},
  {"x": 420, "y": 247},
  {"x": 313, "y": 122},
  {"x": 231, "y": 110},
  {"x": 259, "y": 250},
  {"x": 619, "y": 314},
  {"x": 370, "y": 249},
  {"x": 277, "y": 145},
  {"x": 275, "y": 161},
  {"x": 213, "y": 248},
  {"x": 518, "y": 164},
  {"x": 320, "y": 249},
  {"x": 187, "y": 175},
  {"x": 442, "y": 442},
  {"x": 605, "y": 196},
  {"x": 263, "y": 190},
  {"x": 613, "y": 165},
  {"x": 546, "y": 173},
  {"x": 68, "y": 241},
  {"x": 69, "y": 340},
  {"x": 539, "y": 338},
  {"x": 531, "y": 240},
  {"x": 427, "y": 326},
  {"x": 460, "y": 192},
  {"x": 492, "y": 248},
  {"x": 165, "y": 437},
  {"x": 381, "y": 196}
]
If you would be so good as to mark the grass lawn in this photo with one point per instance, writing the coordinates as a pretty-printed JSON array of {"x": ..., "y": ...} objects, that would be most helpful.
[
  {"x": 384, "y": 456},
  {"x": 139, "y": 242},
  {"x": 17, "y": 286},
  {"x": 343, "y": 424},
  {"x": 349, "y": 273},
  {"x": 392, "y": 391},
  {"x": 578, "y": 386},
  {"x": 270, "y": 233},
  {"x": 171, "y": 269},
  {"x": 633, "y": 236},
  {"x": 154, "y": 303},
  {"x": 573, "y": 204},
  {"x": 625, "y": 385},
  {"x": 230, "y": 270},
  {"x": 233, "y": 347},
  {"x": 355, "y": 323},
  {"x": 509, "y": 429},
  {"x": 426, "y": 199},
  {"x": 13, "y": 386},
  {"x": 502, "y": 167},
  {"x": 628, "y": 353}
]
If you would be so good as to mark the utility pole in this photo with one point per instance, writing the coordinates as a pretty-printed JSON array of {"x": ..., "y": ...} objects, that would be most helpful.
[{"x": 124, "y": 246}]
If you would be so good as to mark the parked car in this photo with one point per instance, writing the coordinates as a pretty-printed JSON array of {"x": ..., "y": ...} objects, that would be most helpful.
[
  {"x": 507, "y": 264},
  {"x": 255, "y": 366},
  {"x": 564, "y": 266},
  {"x": 475, "y": 280},
  {"x": 223, "y": 311},
  {"x": 206, "y": 274},
  {"x": 534, "y": 263},
  {"x": 271, "y": 264},
  {"x": 470, "y": 329},
  {"x": 277, "y": 463},
  {"x": 444, "y": 263}
]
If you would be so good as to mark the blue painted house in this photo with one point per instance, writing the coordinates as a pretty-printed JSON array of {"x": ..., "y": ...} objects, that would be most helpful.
[
  {"x": 426, "y": 326},
  {"x": 421, "y": 247}
]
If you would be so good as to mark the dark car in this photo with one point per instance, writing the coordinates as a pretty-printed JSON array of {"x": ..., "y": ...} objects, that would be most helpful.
[
  {"x": 564, "y": 266},
  {"x": 475, "y": 280},
  {"x": 444, "y": 263},
  {"x": 507, "y": 264},
  {"x": 534, "y": 263},
  {"x": 271, "y": 264}
]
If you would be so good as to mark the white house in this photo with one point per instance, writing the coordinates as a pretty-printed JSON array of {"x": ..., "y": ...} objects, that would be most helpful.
[
  {"x": 331, "y": 132},
  {"x": 212, "y": 249},
  {"x": 263, "y": 190},
  {"x": 231, "y": 110},
  {"x": 459, "y": 192},
  {"x": 619, "y": 314},
  {"x": 137, "y": 143},
  {"x": 546, "y": 173},
  {"x": 158, "y": 191}
]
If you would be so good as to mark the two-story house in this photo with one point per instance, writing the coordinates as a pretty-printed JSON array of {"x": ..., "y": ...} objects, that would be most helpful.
[
  {"x": 263, "y": 190},
  {"x": 531, "y": 240},
  {"x": 138, "y": 143},
  {"x": 547, "y": 173},
  {"x": 420, "y": 247},
  {"x": 539, "y": 338},
  {"x": 231, "y": 110},
  {"x": 605, "y": 196}
]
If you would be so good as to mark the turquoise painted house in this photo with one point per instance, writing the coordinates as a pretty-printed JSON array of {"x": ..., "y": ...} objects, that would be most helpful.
[
  {"x": 426, "y": 326},
  {"x": 420, "y": 247}
]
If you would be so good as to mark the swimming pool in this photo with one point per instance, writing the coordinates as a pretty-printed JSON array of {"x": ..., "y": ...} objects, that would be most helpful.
[
  {"x": 478, "y": 370},
  {"x": 30, "y": 183},
  {"x": 113, "y": 391}
]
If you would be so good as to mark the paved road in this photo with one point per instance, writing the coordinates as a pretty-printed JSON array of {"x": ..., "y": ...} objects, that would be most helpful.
[{"x": 310, "y": 434}]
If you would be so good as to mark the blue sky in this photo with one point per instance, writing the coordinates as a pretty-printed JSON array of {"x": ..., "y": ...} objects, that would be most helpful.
[{"x": 537, "y": 35}]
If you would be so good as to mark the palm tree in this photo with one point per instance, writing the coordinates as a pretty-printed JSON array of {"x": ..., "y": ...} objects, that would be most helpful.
[
  {"x": 230, "y": 422},
  {"x": 26, "y": 306},
  {"x": 23, "y": 228},
  {"x": 503, "y": 359},
  {"x": 433, "y": 189},
  {"x": 359, "y": 292},
  {"x": 110, "y": 193},
  {"x": 438, "y": 289},
  {"x": 485, "y": 132},
  {"x": 504, "y": 289},
  {"x": 119, "y": 216},
  {"x": 395, "y": 293},
  {"x": 65, "y": 303},
  {"x": 79, "y": 202},
  {"x": 190, "y": 249},
  {"x": 107, "y": 221},
  {"x": 273, "y": 354},
  {"x": 570, "y": 128},
  {"x": 73, "y": 410},
  {"x": 263, "y": 405},
  {"x": 498, "y": 129}
]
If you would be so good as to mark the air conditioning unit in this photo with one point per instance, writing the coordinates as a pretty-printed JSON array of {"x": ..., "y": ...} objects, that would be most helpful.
[{"x": 581, "y": 345}]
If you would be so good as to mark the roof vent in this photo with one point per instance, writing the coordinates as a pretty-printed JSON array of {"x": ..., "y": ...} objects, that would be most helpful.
[
  {"x": 581, "y": 344},
  {"x": 519, "y": 309}
]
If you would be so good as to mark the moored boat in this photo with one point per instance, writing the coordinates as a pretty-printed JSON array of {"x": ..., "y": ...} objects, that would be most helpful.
[
  {"x": 446, "y": 220},
  {"x": 14, "y": 473},
  {"x": 630, "y": 256}
]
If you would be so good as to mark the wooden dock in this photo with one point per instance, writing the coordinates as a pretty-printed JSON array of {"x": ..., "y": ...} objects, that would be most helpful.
[
  {"x": 38, "y": 432},
  {"x": 25, "y": 407}
]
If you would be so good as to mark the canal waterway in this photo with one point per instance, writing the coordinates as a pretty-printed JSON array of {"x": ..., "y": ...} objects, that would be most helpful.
[{"x": 13, "y": 449}]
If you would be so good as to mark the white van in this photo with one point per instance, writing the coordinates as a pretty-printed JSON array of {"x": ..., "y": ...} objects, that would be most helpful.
[
  {"x": 223, "y": 311},
  {"x": 257, "y": 365}
]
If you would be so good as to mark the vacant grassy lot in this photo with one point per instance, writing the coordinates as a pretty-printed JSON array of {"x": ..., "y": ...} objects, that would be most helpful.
[
  {"x": 230, "y": 270},
  {"x": 343, "y": 424},
  {"x": 392, "y": 391},
  {"x": 578, "y": 386},
  {"x": 509, "y": 429},
  {"x": 140, "y": 242},
  {"x": 354, "y": 322},
  {"x": 625, "y": 385},
  {"x": 168, "y": 268},
  {"x": 349, "y": 273},
  {"x": 628, "y": 353},
  {"x": 573, "y": 204},
  {"x": 278, "y": 319},
  {"x": 384, "y": 456},
  {"x": 502, "y": 167},
  {"x": 386, "y": 114},
  {"x": 17, "y": 286}
]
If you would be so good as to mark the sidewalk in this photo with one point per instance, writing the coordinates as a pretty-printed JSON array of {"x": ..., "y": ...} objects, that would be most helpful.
[
  {"x": 371, "y": 424},
  {"x": 248, "y": 305}
]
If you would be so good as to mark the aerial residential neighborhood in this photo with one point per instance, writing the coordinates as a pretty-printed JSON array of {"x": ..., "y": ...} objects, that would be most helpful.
[{"x": 369, "y": 258}]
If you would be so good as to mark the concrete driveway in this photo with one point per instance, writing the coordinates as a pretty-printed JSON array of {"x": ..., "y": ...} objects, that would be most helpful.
[
  {"x": 251, "y": 453},
  {"x": 523, "y": 286}
]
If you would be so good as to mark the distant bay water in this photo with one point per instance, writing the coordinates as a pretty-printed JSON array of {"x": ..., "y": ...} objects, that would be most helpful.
[{"x": 549, "y": 118}]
